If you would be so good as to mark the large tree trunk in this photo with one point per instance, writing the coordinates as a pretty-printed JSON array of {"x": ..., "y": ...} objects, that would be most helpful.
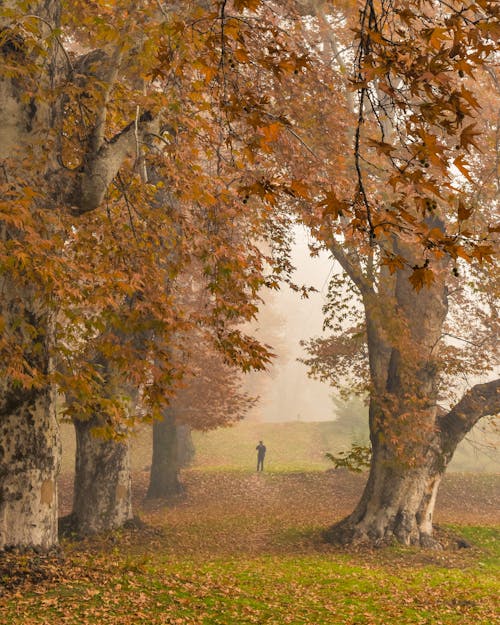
[
  {"x": 29, "y": 463},
  {"x": 29, "y": 445},
  {"x": 164, "y": 478},
  {"x": 397, "y": 503},
  {"x": 102, "y": 495},
  {"x": 34, "y": 69},
  {"x": 407, "y": 458},
  {"x": 411, "y": 444},
  {"x": 398, "y": 500}
]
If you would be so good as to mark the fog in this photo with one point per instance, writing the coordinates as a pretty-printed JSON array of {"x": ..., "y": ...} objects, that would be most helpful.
[{"x": 286, "y": 392}]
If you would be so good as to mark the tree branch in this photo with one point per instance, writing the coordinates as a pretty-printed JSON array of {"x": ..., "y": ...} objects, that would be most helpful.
[
  {"x": 480, "y": 401},
  {"x": 101, "y": 167},
  {"x": 353, "y": 270}
]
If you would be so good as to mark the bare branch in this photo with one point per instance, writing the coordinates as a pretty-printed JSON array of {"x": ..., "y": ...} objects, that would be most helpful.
[
  {"x": 480, "y": 401},
  {"x": 352, "y": 269}
]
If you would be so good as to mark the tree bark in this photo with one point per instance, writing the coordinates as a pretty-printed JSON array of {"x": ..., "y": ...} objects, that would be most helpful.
[
  {"x": 29, "y": 432},
  {"x": 398, "y": 500},
  {"x": 480, "y": 401},
  {"x": 29, "y": 463},
  {"x": 32, "y": 177},
  {"x": 102, "y": 494},
  {"x": 411, "y": 444},
  {"x": 164, "y": 478},
  {"x": 397, "y": 503}
]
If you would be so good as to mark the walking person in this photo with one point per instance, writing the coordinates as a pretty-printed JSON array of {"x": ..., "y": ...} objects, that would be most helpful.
[{"x": 261, "y": 454}]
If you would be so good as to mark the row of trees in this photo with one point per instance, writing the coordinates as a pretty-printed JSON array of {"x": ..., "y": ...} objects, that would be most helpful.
[
  {"x": 116, "y": 201},
  {"x": 154, "y": 154}
]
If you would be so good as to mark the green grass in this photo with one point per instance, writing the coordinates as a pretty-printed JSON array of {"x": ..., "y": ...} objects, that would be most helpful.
[
  {"x": 245, "y": 549},
  {"x": 292, "y": 446},
  {"x": 318, "y": 589}
]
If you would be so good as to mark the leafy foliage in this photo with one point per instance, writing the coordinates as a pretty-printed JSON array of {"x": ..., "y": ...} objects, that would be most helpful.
[{"x": 357, "y": 459}]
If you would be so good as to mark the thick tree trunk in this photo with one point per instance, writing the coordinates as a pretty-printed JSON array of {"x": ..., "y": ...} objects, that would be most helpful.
[
  {"x": 408, "y": 459},
  {"x": 33, "y": 71},
  {"x": 398, "y": 500},
  {"x": 29, "y": 444},
  {"x": 29, "y": 433},
  {"x": 411, "y": 444},
  {"x": 397, "y": 503},
  {"x": 164, "y": 478},
  {"x": 102, "y": 495},
  {"x": 29, "y": 463}
]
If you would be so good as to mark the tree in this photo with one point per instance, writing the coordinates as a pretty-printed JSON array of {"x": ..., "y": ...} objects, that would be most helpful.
[
  {"x": 102, "y": 499},
  {"x": 90, "y": 98},
  {"x": 211, "y": 396},
  {"x": 54, "y": 171},
  {"x": 209, "y": 94},
  {"x": 409, "y": 272}
]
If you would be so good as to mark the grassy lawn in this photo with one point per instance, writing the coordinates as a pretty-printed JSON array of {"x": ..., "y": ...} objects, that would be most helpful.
[
  {"x": 113, "y": 586},
  {"x": 313, "y": 589},
  {"x": 291, "y": 446},
  {"x": 244, "y": 549}
]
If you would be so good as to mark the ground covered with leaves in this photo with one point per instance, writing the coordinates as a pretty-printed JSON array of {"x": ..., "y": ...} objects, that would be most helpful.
[{"x": 245, "y": 548}]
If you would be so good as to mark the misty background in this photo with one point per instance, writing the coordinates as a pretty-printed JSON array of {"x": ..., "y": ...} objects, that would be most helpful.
[
  {"x": 286, "y": 392},
  {"x": 299, "y": 419}
]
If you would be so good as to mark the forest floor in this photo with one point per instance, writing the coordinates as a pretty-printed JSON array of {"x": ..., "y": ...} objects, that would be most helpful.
[{"x": 242, "y": 548}]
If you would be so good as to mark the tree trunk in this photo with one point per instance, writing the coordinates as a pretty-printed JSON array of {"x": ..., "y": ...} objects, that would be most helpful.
[
  {"x": 185, "y": 445},
  {"x": 102, "y": 496},
  {"x": 407, "y": 455},
  {"x": 29, "y": 443},
  {"x": 397, "y": 503},
  {"x": 411, "y": 444},
  {"x": 164, "y": 478},
  {"x": 398, "y": 500},
  {"x": 29, "y": 463}
]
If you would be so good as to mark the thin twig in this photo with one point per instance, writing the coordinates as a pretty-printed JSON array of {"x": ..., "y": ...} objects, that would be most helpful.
[{"x": 47, "y": 23}]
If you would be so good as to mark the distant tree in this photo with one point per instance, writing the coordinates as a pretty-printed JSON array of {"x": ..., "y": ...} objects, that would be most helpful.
[{"x": 211, "y": 396}]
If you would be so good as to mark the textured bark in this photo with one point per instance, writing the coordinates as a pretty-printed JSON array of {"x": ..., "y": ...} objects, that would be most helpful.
[
  {"x": 29, "y": 446},
  {"x": 29, "y": 433},
  {"x": 29, "y": 463},
  {"x": 411, "y": 444},
  {"x": 398, "y": 500},
  {"x": 102, "y": 493},
  {"x": 92, "y": 180},
  {"x": 397, "y": 503},
  {"x": 164, "y": 478}
]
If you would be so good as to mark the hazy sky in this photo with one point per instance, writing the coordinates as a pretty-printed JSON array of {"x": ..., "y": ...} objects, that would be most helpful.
[{"x": 287, "y": 394}]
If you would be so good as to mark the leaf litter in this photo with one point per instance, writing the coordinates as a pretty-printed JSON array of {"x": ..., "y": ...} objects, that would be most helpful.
[{"x": 247, "y": 548}]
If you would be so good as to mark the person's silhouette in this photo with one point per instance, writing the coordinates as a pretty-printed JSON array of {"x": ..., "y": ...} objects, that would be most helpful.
[{"x": 261, "y": 454}]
